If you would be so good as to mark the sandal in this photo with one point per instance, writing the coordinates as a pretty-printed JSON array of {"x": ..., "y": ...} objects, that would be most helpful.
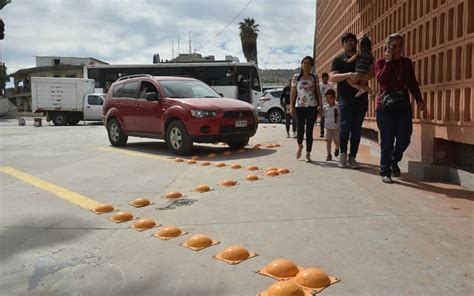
[{"x": 298, "y": 153}]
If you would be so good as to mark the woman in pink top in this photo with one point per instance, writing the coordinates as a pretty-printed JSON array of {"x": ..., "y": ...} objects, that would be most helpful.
[{"x": 395, "y": 74}]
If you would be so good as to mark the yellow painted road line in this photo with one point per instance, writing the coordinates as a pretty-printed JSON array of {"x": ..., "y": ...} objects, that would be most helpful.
[
  {"x": 61, "y": 192},
  {"x": 136, "y": 154}
]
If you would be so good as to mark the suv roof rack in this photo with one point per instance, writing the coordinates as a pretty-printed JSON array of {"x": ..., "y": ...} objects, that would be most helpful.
[{"x": 134, "y": 76}]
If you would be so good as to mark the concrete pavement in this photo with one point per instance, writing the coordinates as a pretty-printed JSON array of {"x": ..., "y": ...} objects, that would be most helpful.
[{"x": 409, "y": 238}]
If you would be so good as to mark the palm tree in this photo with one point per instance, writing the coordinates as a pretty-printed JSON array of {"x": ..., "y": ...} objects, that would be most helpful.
[{"x": 248, "y": 36}]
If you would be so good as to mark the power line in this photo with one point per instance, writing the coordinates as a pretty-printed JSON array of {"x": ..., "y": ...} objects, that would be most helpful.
[{"x": 226, "y": 26}]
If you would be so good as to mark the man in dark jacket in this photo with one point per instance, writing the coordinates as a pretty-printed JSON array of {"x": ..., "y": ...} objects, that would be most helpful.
[{"x": 285, "y": 104}]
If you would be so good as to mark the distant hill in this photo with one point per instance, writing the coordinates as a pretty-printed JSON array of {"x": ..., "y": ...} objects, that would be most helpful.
[{"x": 276, "y": 76}]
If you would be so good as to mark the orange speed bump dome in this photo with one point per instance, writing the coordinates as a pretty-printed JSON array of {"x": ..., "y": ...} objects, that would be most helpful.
[
  {"x": 179, "y": 160},
  {"x": 199, "y": 242},
  {"x": 103, "y": 208},
  {"x": 285, "y": 288},
  {"x": 252, "y": 178},
  {"x": 140, "y": 202},
  {"x": 173, "y": 195},
  {"x": 227, "y": 153},
  {"x": 195, "y": 157},
  {"x": 205, "y": 163},
  {"x": 121, "y": 217},
  {"x": 272, "y": 173},
  {"x": 220, "y": 164},
  {"x": 312, "y": 278},
  {"x": 270, "y": 146},
  {"x": 169, "y": 232},
  {"x": 252, "y": 168},
  {"x": 283, "y": 171},
  {"x": 234, "y": 254},
  {"x": 202, "y": 188},
  {"x": 228, "y": 183},
  {"x": 241, "y": 150},
  {"x": 236, "y": 166},
  {"x": 191, "y": 161},
  {"x": 257, "y": 145},
  {"x": 144, "y": 224},
  {"x": 276, "y": 145},
  {"x": 212, "y": 155},
  {"x": 280, "y": 269}
]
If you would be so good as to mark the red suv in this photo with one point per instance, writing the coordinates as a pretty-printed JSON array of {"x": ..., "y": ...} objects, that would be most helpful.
[{"x": 177, "y": 109}]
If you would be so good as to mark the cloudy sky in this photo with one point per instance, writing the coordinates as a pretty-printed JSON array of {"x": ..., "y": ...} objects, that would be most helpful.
[{"x": 131, "y": 31}]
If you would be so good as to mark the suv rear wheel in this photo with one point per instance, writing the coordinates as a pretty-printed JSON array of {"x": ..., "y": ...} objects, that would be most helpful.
[
  {"x": 116, "y": 135},
  {"x": 238, "y": 144},
  {"x": 178, "y": 139},
  {"x": 275, "y": 115}
]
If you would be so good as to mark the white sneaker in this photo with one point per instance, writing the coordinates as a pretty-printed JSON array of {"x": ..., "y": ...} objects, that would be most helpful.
[
  {"x": 353, "y": 164},
  {"x": 342, "y": 160}
]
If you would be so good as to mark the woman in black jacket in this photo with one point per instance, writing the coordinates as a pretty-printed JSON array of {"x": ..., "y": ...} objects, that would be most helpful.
[{"x": 285, "y": 104}]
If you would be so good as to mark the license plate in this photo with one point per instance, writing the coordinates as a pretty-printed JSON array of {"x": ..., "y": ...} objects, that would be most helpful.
[{"x": 241, "y": 123}]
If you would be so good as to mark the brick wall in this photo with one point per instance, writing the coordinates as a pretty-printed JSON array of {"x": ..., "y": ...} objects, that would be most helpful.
[{"x": 439, "y": 38}]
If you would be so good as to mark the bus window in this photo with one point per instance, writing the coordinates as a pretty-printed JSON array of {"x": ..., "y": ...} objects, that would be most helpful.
[
  {"x": 243, "y": 86},
  {"x": 256, "y": 80}
]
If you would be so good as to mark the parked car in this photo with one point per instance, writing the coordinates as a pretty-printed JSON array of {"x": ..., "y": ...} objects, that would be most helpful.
[
  {"x": 269, "y": 106},
  {"x": 177, "y": 109},
  {"x": 66, "y": 100}
]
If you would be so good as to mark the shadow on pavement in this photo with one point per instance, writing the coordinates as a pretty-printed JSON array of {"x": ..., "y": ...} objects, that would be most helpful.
[
  {"x": 27, "y": 236},
  {"x": 161, "y": 149},
  {"x": 408, "y": 181}
]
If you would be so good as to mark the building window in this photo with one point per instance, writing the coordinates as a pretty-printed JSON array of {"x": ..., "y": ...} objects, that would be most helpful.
[{"x": 57, "y": 62}]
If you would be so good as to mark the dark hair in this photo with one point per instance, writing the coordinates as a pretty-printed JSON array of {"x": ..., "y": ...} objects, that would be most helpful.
[
  {"x": 366, "y": 44},
  {"x": 302, "y": 61},
  {"x": 348, "y": 36},
  {"x": 325, "y": 74},
  {"x": 330, "y": 92}
]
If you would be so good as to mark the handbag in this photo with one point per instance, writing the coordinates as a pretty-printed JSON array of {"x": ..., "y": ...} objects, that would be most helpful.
[{"x": 395, "y": 100}]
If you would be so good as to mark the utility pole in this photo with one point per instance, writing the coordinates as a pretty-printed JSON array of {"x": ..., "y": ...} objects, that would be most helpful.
[
  {"x": 190, "y": 51},
  {"x": 179, "y": 47},
  {"x": 172, "y": 49}
]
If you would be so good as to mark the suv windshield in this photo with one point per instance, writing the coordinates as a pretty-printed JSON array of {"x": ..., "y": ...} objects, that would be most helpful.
[{"x": 188, "y": 89}]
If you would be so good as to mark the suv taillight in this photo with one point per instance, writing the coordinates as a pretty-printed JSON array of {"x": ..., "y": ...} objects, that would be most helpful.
[{"x": 263, "y": 100}]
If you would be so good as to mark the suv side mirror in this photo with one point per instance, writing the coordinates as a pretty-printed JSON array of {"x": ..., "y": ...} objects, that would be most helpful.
[
  {"x": 152, "y": 97},
  {"x": 221, "y": 94}
]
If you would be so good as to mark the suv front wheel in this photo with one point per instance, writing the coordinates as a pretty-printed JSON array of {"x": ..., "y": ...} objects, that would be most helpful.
[
  {"x": 116, "y": 135},
  {"x": 178, "y": 139},
  {"x": 238, "y": 144}
]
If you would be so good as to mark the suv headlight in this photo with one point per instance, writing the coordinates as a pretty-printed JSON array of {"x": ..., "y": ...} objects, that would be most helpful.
[{"x": 203, "y": 113}]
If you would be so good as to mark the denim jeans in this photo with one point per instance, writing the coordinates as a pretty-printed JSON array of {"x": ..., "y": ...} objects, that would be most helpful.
[
  {"x": 289, "y": 120},
  {"x": 352, "y": 112},
  {"x": 395, "y": 132}
]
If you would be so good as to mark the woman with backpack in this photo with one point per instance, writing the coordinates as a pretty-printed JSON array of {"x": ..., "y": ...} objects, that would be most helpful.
[{"x": 305, "y": 103}]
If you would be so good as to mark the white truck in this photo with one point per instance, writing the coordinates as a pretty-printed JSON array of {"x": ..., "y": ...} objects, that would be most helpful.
[{"x": 66, "y": 100}]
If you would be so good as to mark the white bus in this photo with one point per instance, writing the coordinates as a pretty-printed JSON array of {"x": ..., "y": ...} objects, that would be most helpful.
[{"x": 233, "y": 80}]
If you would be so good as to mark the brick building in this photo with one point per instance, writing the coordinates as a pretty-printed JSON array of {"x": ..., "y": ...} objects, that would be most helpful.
[{"x": 439, "y": 38}]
